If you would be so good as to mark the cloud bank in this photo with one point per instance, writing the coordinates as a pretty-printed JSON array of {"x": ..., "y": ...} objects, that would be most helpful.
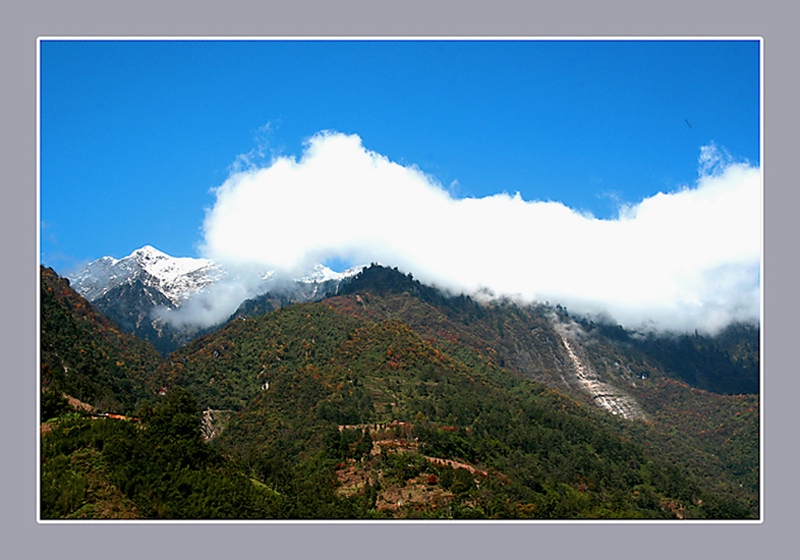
[{"x": 682, "y": 260}]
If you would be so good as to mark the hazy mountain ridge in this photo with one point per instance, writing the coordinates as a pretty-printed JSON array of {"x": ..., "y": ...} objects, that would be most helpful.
[
  {"x": 162, "y": 299},
  {"x": 150, "y": 294}
]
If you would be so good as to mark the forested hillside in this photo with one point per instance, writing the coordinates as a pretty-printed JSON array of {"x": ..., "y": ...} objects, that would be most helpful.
[
  {"x": 86, "y": 356},
  {"x": 394, "y": 400}
]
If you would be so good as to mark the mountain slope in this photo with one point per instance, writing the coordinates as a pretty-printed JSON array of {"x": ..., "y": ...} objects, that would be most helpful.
[
  {"x": 611, "y": 372},
  {"x": 727, "y": 363},
  {"x": 542, "y": 341},
  {"x": 84, "y": 355},
  {"x": 343, "y": 387}
]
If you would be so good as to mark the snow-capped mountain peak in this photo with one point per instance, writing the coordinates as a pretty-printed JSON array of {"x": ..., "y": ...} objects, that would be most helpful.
[
  {"x": 176, "y": 278},
  {"x": 169, "y": 270},
  {"x": 321, "y": 273}
]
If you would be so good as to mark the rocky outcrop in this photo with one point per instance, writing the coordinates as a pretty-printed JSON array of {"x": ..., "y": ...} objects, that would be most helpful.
[{"x": 611, "y": 397}]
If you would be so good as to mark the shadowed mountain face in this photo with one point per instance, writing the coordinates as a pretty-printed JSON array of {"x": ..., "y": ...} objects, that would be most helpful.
[{"x": 393, "y": 399}]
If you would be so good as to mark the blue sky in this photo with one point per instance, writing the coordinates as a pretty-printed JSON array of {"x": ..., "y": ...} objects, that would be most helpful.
[{"x": 138, "y": 137}]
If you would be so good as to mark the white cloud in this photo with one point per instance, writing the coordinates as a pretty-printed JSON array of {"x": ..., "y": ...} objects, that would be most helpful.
[
  {"x": 216, "y": 303},
  {"x": 681, "y": 260}
]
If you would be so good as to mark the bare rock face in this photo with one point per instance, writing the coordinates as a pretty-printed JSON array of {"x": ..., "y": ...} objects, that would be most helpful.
[
  {"x": 610, "y": 396},
  {"x": 213, "y": 423}
]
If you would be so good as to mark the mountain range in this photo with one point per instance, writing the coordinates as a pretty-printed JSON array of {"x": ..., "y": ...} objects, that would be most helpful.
[{"x": 371, "y": 394}]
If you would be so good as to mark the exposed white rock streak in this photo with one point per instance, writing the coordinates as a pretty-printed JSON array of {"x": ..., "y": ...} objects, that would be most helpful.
[
  {"x": 603, "y": 394},
  {"x": 213, "y": 422}
]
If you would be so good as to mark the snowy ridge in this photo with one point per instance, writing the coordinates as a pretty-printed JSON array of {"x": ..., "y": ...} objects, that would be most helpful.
[
  {"x": 321, "y": 273},
  {"x": 167, "y": 269},
  {"x": 178, "y": 278}
]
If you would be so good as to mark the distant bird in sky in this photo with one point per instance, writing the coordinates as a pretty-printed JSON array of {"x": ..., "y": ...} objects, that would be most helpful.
[{"x": 687, "y": 123}]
